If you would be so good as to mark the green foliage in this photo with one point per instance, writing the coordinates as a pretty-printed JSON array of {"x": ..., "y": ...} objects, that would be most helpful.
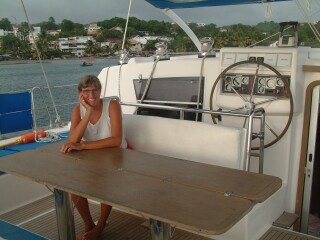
[
  {"x": 236, "y": 35},
  {"x": 23, "y": 31},
  {"x": 49, "y": 25},
  {"x": 5, "y": 24}
]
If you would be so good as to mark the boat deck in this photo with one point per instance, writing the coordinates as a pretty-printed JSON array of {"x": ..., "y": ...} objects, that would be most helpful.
[{"x": 40, "y": 218}]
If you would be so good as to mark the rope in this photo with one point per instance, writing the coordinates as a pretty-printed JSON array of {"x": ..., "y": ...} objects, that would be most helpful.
[
  {"x": 125, "y": 30},
  {"x": 58, "y": 120},
  {"x": 269, "y": 11},
  {"x": 146, "y": 89},
  {"x": 119, "y": 82},
  {"x": 50, "y": 137},
  {"x": 149, "y": 79}
]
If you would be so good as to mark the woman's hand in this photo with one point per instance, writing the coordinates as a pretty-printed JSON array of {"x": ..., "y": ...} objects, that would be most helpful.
[
  {"x": 83, "y": 102},
  {"x": 68, "y": 147}
]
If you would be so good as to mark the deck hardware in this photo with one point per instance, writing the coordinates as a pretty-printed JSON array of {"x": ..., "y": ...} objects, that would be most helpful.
[{"x": 227, "y": 193}]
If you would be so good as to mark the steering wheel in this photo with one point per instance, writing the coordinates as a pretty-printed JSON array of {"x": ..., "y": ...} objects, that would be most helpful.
[{"x": 257, "y": 90}]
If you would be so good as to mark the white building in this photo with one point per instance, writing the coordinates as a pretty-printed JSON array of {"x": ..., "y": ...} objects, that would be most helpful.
[
  {"x": 137, "y": 42},
  {"x": 33, "y": 36},
  {"x": 75, "y": 45},
  {"x": 92, "y": 28}
]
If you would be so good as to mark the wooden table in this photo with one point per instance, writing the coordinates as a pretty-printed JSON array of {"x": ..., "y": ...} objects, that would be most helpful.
[{"x": 194, "y": 196}]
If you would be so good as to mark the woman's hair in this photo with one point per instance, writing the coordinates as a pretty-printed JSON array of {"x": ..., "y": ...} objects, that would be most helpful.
[{"x": 89, "y": 80}]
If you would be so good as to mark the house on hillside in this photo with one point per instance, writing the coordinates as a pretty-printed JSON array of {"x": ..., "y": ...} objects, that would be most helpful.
[
  {"x": 54, "y": 32},
  {"x": 92, "y": 28}
]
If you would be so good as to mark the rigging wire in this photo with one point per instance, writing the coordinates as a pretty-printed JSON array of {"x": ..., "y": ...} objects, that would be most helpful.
[
  {"x": 277, "y": 33},
  {"x": 269, "y": 11},
  {"x": 58, "y": 120},
  {"x": 124, "y": 53},
  {"x": 308, "y": 17},
  {"x": 125, "y": 30}
]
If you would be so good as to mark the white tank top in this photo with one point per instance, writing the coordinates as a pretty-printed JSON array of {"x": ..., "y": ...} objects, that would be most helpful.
[{"x": 102, "y": 128}]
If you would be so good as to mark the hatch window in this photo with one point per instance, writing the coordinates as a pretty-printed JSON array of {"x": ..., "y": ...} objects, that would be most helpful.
[{"x": 173, "y": 91}]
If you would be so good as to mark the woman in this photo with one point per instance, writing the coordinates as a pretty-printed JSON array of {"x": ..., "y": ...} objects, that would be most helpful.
[{"x": 95, "y": 123}]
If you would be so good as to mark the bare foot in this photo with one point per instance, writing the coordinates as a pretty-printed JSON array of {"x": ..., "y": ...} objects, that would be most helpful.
[
  {"x": 86, "y": 230},
  {"x": 94, "y": 233}
]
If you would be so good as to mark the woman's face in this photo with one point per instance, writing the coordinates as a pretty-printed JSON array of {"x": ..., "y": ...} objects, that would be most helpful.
[{"x": 91, "y": 95}]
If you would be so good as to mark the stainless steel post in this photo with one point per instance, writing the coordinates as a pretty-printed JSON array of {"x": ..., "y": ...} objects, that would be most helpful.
[
  {"x": 64, "y": 213},
  {"x": 159, "y": 230}
]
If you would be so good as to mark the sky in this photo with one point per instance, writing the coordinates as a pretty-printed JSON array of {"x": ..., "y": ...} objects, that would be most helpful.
[{"x": 86, "y": 11}]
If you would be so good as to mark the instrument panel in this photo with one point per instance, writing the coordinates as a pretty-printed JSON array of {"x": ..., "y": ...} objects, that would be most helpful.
[{"x": 262, "y": 85}]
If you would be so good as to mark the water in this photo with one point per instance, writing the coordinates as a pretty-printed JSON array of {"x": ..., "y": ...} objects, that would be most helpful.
[{"x": 66, "y": 73}]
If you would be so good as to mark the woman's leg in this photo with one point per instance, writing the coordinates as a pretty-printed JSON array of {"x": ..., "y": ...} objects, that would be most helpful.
[
  {"x": 82, "y": 206},
  {"x": 97, "y": 230}
]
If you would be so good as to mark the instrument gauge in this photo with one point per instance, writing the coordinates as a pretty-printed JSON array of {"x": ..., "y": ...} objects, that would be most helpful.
[
  {"x": 228, "y": 80},
  {"x": 245, "y": 80},
  {"x": 280, "y": 82},
  {"x": 262, "y": 81},
  {"x": 236, "y": 81},
  {"x": 260, "y": 89},
  {"x": 227, "y": 88},
  {"x": 271, "y": 83}
]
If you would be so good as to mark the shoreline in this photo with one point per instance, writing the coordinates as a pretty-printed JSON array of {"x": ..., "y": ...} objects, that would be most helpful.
[{"x": 27, "y": 61}]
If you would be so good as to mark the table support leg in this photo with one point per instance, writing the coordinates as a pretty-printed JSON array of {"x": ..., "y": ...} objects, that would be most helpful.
[
  {"x": 160, "y": 230},
  {"x": 64, "y": 213}
]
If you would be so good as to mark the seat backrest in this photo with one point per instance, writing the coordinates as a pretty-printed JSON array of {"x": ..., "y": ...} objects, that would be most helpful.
[
  {"x": 195, "y": 141},
  {"x": 15, "y": 112}
]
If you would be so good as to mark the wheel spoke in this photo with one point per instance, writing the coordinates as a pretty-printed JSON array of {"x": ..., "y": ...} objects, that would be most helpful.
[
  {"x": 254, "y": 81},
  {"x": 244, "y": 122},
  {"x": 243, "y": 99},
  {"x": 270, "y": 100},
  {"x": 271, "y": 130}
]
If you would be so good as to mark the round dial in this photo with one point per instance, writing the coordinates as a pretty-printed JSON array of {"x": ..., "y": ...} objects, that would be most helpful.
[
  {"x": 227, "y": 88},
  {"x": 236, "y": 81},
  {"x": 280, "y": 82},
  {"x": 271, "y": 83},
  {"x": 262, "y": 81},
  {"x": 228, "y": 80},
  {"x": 260, "y": 89},
  {"x": 245, "y": 80}
]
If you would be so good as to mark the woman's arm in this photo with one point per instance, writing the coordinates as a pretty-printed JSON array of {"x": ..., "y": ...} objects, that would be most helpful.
[
  {"x": 77, "y": 128},
  {"x": 78, "y": 125}
]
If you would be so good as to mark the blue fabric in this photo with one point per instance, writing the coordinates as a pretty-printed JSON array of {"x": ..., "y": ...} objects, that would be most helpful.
[
  {"x": 12, "y": 232},
  {"x": 15, "y": 112},
  {"x": 174, "y": 4},
  {"x": 23, "y": 147}
]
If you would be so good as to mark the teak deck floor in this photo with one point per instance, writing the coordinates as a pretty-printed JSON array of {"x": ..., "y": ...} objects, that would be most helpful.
[{"x": 40, "y": 218}]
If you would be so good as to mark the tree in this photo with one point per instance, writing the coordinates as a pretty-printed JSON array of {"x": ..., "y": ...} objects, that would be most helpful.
[
  {"x": 24, "y": 31},
  {"x": 43, "y": 42},
  {"x": 89, "y": 47},
  {"x": 5, "y": 24},
  {"x": 150, "y": 45},
  {"x": 9, "y": 44},
  {"x": 49, "y": 25},
  {"x": 67, "y": 26}
]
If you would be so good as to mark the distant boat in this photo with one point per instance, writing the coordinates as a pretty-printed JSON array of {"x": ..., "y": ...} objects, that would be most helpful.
[{"x": 86, "y": 64}]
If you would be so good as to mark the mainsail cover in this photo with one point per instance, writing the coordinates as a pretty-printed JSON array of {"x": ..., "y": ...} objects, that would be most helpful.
[{"x": 175, "y": 4}]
